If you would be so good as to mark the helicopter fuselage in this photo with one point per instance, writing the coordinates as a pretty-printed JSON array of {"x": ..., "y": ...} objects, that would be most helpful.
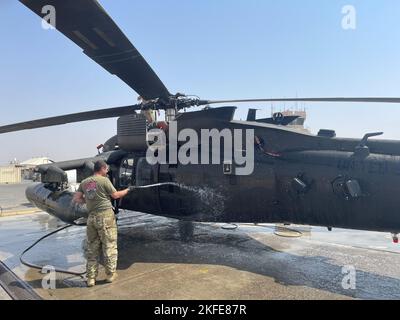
[{"x": 297, "y": 178}]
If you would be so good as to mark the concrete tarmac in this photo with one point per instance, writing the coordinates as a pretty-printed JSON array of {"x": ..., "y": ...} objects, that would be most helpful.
[
  {"x": 13, "y": 200},
  {"x": 162, "y": 258}
]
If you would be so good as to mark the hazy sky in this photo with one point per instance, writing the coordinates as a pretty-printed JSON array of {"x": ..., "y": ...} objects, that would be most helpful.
[{"x": 212, "y": 48}]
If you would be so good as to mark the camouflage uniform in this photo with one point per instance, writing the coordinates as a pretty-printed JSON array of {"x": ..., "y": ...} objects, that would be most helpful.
[
  {"x": 101, "y": 228},
  {"x": 101, "y": 234}
]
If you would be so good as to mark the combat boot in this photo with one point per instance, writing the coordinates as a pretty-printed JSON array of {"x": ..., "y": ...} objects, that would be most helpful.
[
  {"x": 91, "y": 282},
  {"x": 111, "y": 278}
]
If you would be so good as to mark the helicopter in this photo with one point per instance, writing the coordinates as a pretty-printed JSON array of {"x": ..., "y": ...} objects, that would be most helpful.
[{"x": 295, "y": 177}]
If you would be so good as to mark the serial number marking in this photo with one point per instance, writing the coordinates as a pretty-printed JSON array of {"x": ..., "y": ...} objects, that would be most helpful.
[{"x": 371, "y": 167}]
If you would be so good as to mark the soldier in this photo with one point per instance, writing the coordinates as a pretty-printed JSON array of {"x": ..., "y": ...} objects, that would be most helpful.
[{"x": 101, "y": 230}]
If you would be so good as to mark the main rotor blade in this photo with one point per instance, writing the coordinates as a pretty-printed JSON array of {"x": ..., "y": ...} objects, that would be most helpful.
[
  {"x": 70, "y": 118},
  {"x": 88, "y": 25},
  {"x": 352, "y": 100}
]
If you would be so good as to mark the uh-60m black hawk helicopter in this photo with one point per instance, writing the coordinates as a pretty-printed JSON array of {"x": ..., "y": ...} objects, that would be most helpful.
[{"x": 298, "y": 178}]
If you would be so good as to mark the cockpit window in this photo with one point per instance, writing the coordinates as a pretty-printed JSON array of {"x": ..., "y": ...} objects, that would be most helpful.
[{"x": 127, "y": 172}]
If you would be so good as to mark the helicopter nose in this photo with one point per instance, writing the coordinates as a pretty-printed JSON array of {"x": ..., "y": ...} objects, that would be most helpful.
[{"x": 57, "y": 204}]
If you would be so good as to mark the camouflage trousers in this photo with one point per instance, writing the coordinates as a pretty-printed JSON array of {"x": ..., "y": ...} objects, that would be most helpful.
[{"x": 101, "y": 235}]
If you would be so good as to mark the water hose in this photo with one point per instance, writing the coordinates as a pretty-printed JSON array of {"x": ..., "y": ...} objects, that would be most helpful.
[{"x": 35, "y": 266}]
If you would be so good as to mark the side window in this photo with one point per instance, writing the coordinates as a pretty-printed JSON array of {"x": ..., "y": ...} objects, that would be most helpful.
[{"x": 127, "y": 172}]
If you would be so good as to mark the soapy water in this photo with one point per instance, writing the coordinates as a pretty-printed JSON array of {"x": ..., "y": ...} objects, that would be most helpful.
[
  {"x": 211, "y": 200},
  {"x": 199, "y": 190}
]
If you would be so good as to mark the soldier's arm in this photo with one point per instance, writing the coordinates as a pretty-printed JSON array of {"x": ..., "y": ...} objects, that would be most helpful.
[
  {"x": 119, "y": 194},
  {"x": 110, "y": 189}
]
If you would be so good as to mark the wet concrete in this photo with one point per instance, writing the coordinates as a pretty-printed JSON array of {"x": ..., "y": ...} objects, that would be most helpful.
[{"x": 165, "y": 259}]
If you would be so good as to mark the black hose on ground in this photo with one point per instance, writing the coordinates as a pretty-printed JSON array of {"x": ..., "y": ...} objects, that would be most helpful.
[{"x": 35, "y": 266}]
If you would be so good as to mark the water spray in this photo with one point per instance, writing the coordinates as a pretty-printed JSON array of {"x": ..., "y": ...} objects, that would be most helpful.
[{"x": 158, "y": 185}]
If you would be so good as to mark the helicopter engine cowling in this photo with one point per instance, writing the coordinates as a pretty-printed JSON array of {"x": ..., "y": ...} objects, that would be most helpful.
[
  {"x": 57, "y": 203},
  {"x": 132, "y": 132}
]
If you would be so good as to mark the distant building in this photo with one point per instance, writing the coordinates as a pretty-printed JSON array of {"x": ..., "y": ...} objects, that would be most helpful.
[
  {"x": 27, "y": 167},
  {"x": 297, "y": 124},
  {"x": 35, "y": 162},
  {"x": 10, "y": 175},
  {"x": 17, "y": 172}
]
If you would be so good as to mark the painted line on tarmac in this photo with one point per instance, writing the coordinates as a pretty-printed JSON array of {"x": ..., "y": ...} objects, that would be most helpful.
[
  {"x": 16, "y": 288},
  {"x": 18, "y": 212}
]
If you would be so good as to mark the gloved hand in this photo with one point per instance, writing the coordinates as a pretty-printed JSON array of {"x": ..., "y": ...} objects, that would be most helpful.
[{"x": 131, "y": 189}]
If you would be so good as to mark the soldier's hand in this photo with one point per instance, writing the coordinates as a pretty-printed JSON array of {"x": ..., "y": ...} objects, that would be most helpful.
[{"x": 131, "y": 189}]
